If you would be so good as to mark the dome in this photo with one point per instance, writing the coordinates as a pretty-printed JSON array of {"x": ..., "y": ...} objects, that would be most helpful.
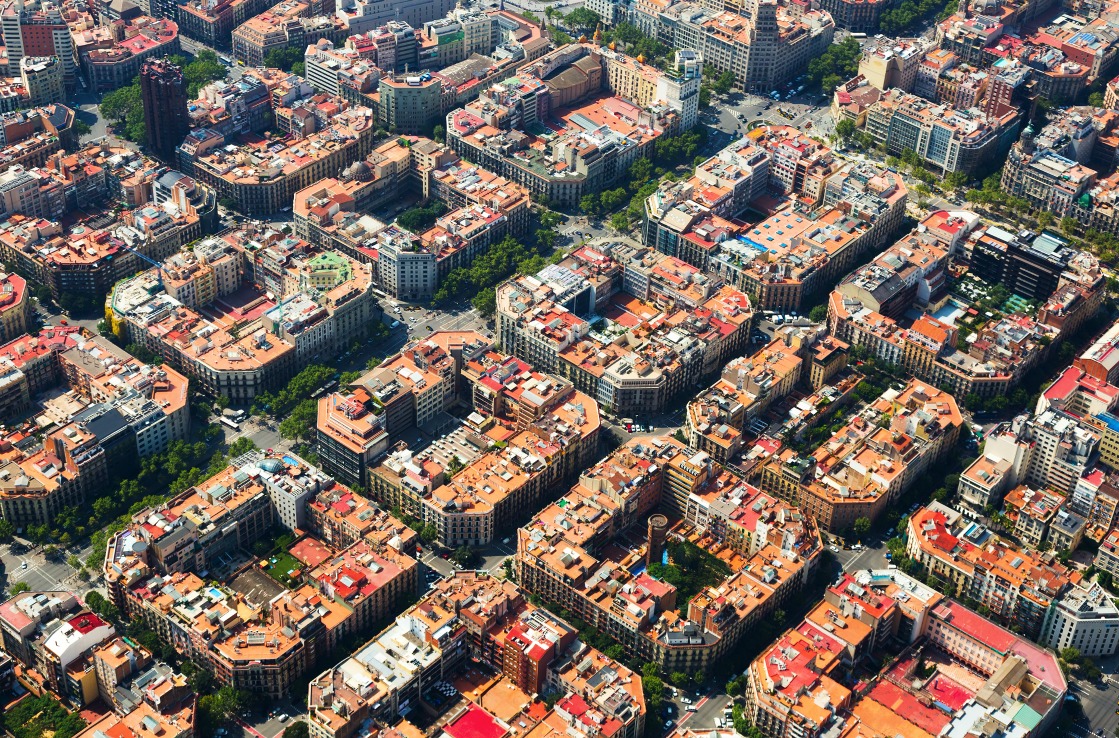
[
  {"x": 272, "y": 465},
  {"x": 360, "y": 172}
]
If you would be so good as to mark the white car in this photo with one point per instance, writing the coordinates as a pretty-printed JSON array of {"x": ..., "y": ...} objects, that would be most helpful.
[{"x": 282, "y": 717}]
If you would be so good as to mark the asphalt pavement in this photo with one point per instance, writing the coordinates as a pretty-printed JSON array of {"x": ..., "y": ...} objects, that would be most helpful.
[
  {"x": 707, "y": 714},
  {"x": 29, "y": 565}
]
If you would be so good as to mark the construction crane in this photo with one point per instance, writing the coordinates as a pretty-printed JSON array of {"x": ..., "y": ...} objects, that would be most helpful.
[{"x": 145, "y": 257}]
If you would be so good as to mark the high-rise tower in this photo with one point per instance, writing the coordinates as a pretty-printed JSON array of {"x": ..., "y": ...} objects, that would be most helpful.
[{"x": 163, "y": 93}]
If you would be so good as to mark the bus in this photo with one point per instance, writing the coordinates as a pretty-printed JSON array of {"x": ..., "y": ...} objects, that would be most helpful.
[{"x": 230, "y": 423}]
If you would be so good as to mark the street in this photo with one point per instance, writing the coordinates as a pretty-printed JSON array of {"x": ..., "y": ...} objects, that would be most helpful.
[
  {"x": 28, "y": 564},
  {"x": 708, "y": 712},
  {"x": 1099, "y": 700}
]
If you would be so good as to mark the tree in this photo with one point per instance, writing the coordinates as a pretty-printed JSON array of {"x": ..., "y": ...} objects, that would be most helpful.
[
  {"x": 205, "y": 69},
  {"x": 613, "y": 199},
  {"x": 1095, "y": 99},
  {"x": 81, "y": 127},
  {"x": 861, "y": 526},
  {"x": 52, "y": 553},
  {"x": 845, "y": 128},
  {"x": 7, "y": 530},
  {"x": 724, "y": 82},
  {"x": 619, "y": 222},
  {"x": 818, "y": 314},
  {"x": 439, "y": 132},
  {"x": 1045, "y": 219},
  {"x": 297, "y": 730},
  {"x": 485, "y": 302},
  {"x": 242, "y": 445},
  {"x": 17, "y": 588},
  {"x": 640, "y": 172},
  {"x": 839, "y": 62},
  {"x": 1069, "y": 226},
  {"x": 705, "y": 96},
  {"x": 589, "y": 204},
  {"x": 429, "y": 533},
  {"x": 955, "y": 180},
  {"x": 221, "y": 706},
  {"x": 97, "y": 602},
  {"x": 583, "y": 18},
  {"x": 419, "y": 220},
  {"x": 463, "y": 556},
  {"x": 300, "y": 424}
]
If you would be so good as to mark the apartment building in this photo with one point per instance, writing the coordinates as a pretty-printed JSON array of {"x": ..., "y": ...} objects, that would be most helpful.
[
  {"x": 111, "y": 57},
  {"x": 116, "y": 411},
  {"x": 1085, "y": 619},
  {"x": 869, "y": 463},
  {"x": 304, "y": 160},
  {"x": 763, "y": 43},
  {"x": 213, "y": 23},
  {"x": 639, "y": 361},
  {"x": 797, "y": 683},
  {"x": 37, "y": 29},
  {"x": 342, "y": 518},
  {"x": 288, "y": 24},
  {"x": 369, "y": 579},
  {"x": 90, "y": 261},
  {"x": 567, "y": 553},
  {"x": 506, "y": 484},
  {"x": 341, "y": 71},
  {"x": 809, "y": 251},
  {"x": 320, "y": 301},
  {"x": 947, "y": 139},
  {"x": 1017, "y": 585},
  {"x": 15, "y": 307},
  {"x": 478, "y": 616},
  {"x": 607, "y": 130},
  {"x": 53, "y": 633}
]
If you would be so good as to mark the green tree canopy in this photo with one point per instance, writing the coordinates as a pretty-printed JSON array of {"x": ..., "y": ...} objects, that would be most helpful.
[
  {"x": 583, "y": 19},
  {"x": 839, "y": 62},
  {"x": 724, "y": 82},
  {"x": 283, "y": 58}
]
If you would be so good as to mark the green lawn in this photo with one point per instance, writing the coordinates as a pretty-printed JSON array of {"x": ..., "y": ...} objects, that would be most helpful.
[{"x": 285, "y": 562}]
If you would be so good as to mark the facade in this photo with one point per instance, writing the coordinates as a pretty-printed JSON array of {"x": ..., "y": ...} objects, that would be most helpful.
[
  {"x": 163, "y": 92},
  {"x": 43, "y": 79},
  {"x": 1084, "y": 619},
  {"x": 564, "y": 563},
  {"x": 1018, "y": 585},
  {"x": 946, "y": 138},
  {"x": 37, "y": 29},
  {"x": 797, "y": 685},
  {"x": 321, "y": 301},
  {"x": 111, "y": 60}
]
